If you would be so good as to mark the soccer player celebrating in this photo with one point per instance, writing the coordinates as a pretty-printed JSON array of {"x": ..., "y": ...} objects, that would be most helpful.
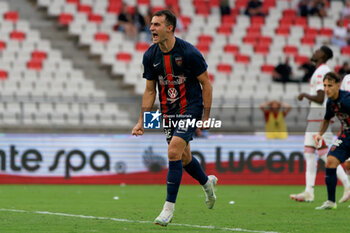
[
  {"x": 338, "y": 104},
  {"x": 317, "y": 108},
  {"x": 179, "y": 71}
]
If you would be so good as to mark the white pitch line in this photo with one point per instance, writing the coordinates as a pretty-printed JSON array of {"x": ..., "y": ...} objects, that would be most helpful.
[{"x": 133, "y": 221}]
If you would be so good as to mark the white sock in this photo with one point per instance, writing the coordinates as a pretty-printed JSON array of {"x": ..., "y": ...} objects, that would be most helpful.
[
  {"x": 169, "y": 206},
  {"x": 311, "y": 170},
  {"x": 342, "y": 176}
]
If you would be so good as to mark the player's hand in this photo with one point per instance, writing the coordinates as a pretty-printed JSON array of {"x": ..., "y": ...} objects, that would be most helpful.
[
  {"x": 301, "y": 96},
  {"x": 317, "y": 139},
  {"x": 137, "y": 130},
  {"x": 204, "y": 119}
]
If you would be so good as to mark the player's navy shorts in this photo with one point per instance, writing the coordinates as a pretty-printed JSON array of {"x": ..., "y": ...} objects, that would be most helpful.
[
  {"x": 185, "y": 131},
  {"x": 341, "y": 147}
]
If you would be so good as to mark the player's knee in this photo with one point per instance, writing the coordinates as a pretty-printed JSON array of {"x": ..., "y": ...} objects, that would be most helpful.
[
  {"x": 173, "y": 154},
  {"x": 332, "y": 162}
]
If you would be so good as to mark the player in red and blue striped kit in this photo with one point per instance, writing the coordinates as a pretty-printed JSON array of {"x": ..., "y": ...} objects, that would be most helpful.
[
  {"x": 180, "y": 73},
  {"x": 338, "y": 105}
]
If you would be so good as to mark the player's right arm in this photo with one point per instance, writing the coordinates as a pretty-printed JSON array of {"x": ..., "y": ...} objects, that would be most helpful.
[
  {"x": 325, "y": 123},
  {"x": 148, "y": 99},
  {"x": 323, "y": 128},
  {"x": 318, "y": 98}
]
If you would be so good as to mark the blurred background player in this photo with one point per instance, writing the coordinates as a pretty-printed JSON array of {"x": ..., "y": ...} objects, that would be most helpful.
[
  {"x": 317, "y": 109},
  {"x": 275, "y": 112},
  {"x": 338, "y": 104},
  {"x": 179, "y": 70}
]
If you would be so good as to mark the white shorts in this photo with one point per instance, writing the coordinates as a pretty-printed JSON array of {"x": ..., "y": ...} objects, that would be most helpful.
[{"x": 312, "y": 128}]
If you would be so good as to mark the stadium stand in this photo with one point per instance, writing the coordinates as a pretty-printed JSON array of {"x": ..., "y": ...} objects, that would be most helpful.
[
  {"x": 241, "y": 52},
  {"x": 40, "y": 89}
]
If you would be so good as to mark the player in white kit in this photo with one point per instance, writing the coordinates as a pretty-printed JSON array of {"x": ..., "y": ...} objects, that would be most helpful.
[{"x": 316, "y": 113}]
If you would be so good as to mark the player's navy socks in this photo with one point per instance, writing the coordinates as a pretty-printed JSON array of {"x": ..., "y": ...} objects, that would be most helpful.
[
  {"x": 196, "y": 171},
  {"x": 173, "y": 180},
  {"x": 331, "y": 181}
]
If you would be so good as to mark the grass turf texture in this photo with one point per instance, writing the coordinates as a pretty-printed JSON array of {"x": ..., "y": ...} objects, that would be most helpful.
[{"x": 256, "y": 208}]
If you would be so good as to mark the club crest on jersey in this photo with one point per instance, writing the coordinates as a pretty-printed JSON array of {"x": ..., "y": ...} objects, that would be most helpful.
[
  {"x": 172, "y": 92},
  {"x": 333, "y": 148},
  {"x": 178, "y": 61}
]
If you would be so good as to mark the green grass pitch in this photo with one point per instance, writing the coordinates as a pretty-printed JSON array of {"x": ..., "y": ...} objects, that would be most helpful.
[{"x": 78, "y": 208}]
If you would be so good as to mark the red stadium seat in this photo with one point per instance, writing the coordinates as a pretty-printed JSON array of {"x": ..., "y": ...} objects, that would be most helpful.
[
  {"x": 123, "y": 56},
  {"x": 326, "y": 32},
  {"x": 3, "y": 74},
  {"x": 262, "y": 49},
  {"x": 2, "y": 45},
  {"x": 114, "y": 8},
  {"x": 230, "y": 48},
  {"x": 102, "y": 37},
  {"x": 241, "y": 3},
  {"x": 214, "y": 3},
  {"x": 17, "y": 35},
  {"x": 38, "y": 55},
  {"x": 241, "y": 58},
  {"x": 309, "y": 31},
  {"x": 84, "y": 8},
  {"x": 11, "y": 16},
  {"x": 345, "y": 50},
  {"x": 203, "y": 10},
  {"x": 225, "y": 30},
  {"x": 254, "y": 30},
  {"x": 308, "y": 41},
  {"x": 228, "y": 20},
  {"x": 337, "y": 68},
  {"x": 186, "y": 20},
  {"x": 34, "y": 65},
  {"x": 65, "y": 19},
  {"x": 205, "y": 39},
  {"x": 266, "y": 40},
  {"x": 282, "y": 31},
  {"x": 211, "y": 77},
  {"x": 250, "y": 39},
  {"x": 266, "y": 68},
  {"x": 203, "y": 48},
  {"x": 141, "y": 46},
  {"x": 257, "y": 20},
  {"x": 224, "y": 68},
  {"x": 290, "y": 12},
  {"x": 143, "y": 2},
  {"x": 286, "y": 21},
  {"x": 95, "y": 18},
  {"x": 76, "y": 2},
  {"x": 269, "y": 3},
  {"x": 290, "y": 50},
  {"x": 300, "y": 21},
  {"x": 298, "y": 59}
]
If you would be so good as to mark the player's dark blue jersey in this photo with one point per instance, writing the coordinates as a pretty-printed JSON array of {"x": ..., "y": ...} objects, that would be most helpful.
[
  {"x": 340, "y": 108},
  {"x": 176, "y": 75}
]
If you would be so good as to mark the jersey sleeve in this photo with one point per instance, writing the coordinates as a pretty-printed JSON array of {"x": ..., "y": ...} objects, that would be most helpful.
[
  {"x": 147, "y": 67},
  {"x": 345, "y": 84},
  {"x": 197, "y": 62},
  {"x": 346, "y": 103},
  {"x": 329, "y": 112}
]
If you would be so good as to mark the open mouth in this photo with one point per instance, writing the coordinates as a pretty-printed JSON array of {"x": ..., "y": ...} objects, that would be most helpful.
[{"x": 154, "y": 35}]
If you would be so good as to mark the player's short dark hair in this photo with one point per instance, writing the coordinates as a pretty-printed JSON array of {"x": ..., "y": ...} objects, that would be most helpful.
[
  {"x": 170, "y": 18},
  {"x": 332, "y": 76},
  {"x": 327, "y": 51}
]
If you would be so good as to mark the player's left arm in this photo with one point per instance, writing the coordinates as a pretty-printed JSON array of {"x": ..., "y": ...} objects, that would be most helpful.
[{"x": 207, "y": 93}]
